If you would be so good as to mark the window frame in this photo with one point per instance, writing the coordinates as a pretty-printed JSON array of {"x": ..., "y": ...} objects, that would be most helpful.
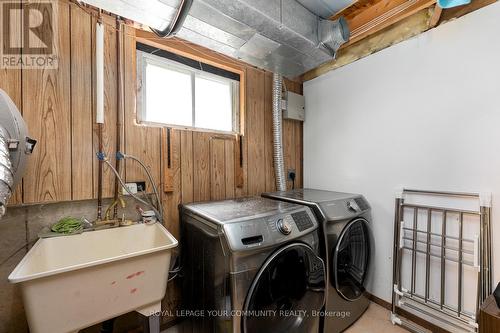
[{"x": 238, "y": 90}]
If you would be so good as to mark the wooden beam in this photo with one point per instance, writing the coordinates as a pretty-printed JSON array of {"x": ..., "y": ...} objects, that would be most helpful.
[
  {"x": 436, "y": 16},
  {"x": 366, "y": 18},
  {"x": 402, "y": 30},
  {"x": 408, "y": 27},
  {"x": 353, "y": 10}
]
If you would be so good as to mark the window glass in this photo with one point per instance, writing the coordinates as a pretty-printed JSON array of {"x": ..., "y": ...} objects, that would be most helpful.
[
  {"x": 175, "y": 94},
  {"x": 214, "y": 105},
  {"x": 168, "y": 96}
]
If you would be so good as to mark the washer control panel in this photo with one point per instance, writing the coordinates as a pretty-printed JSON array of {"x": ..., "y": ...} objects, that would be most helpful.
[
  {"x": 302, "y": 220},
  {"x": 284, "y": 225},
  {"x": 270, "y": 230}
]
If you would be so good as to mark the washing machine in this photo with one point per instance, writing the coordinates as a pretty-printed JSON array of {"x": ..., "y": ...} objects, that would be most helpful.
[
  {"x": 252, "y": 265},
  {"x": 347, "y": 247}
]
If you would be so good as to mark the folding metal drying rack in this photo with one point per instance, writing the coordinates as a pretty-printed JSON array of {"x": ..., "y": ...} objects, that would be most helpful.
[{"x": 440, "y": 313}]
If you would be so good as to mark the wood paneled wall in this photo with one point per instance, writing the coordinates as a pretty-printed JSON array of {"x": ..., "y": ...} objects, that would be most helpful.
[{"x": 58, "y": 106}]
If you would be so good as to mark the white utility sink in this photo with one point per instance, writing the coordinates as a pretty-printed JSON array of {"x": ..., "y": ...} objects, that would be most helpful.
[{"x": 72, "y": 282}]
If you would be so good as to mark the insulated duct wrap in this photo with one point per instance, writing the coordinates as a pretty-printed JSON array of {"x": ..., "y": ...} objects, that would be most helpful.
[{"x": 279, "y": 163}]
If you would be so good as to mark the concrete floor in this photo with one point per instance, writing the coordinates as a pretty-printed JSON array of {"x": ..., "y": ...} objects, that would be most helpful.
[{"x": 374, "y": 320}]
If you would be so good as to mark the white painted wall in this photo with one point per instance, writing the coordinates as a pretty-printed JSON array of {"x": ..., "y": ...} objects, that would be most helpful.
[{"x": 424, "y": 114}]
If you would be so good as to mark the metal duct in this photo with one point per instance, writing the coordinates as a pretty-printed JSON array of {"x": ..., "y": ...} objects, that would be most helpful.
[
  {"x": 325, "y": 8},
  {"x": 279, "y": 163},
  {"x": 14, "y": 146},
  {"x": 178, "y": 21},
  {"x": 333, "y": 34},
  {"x": 281, "y": 36}
]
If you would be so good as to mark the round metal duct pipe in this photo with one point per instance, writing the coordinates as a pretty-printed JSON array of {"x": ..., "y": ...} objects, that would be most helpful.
[
  {"x": 279, "y": 163},
  {"x": 14, "y": 146}
]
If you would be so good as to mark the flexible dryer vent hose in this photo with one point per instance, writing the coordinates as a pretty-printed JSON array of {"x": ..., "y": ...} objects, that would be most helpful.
[
  {"x": 279, "y": 164},
  {"x": 15, "y": 145}
]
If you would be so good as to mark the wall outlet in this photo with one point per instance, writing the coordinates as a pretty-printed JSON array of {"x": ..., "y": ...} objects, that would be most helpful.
[
  {"x": 291, "y": 175},
  {"x": 134, "y": 187}
]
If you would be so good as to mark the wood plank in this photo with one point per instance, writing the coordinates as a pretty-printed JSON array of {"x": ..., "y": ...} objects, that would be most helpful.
[
  {"x": 169, "y": 163},
  {"x": 294, "y": 86},
  {"x": 190, "y": 50},
  {"x": 372, "y": 19},
  {"x": 355, "y": 8},
  {"x": 255, "y": 131},
  {"x": 141, "y": 141},
  {"x": 229, "y": 168},
  {"x": 288, "y": 148},
  {"x": 368, "y": 14},
  {"x": 268, "y": 133},
  {"x": 173, "y": 199},
  {"x": 242, "y": 191},
  {"x": 10, "y": 82},
  {"x": 296, "y": 142},
  {"x": 403, "y": 30},
  {"x": 171, "y": 221},
  {"x": 239, "y": 179},
  {"x": 81, "y": 104},
  {"x": 201, "y": 177},
  {"x": 217, "y": 169},
  {"x": 110, "y": 106},
  {"x": 489, "y": 316},
  {"x": 46, "y": 109},
  {"x": 187, "y": 170},
  {"x": 299, "y": 155},
  {"x": 436, "y": 16}
]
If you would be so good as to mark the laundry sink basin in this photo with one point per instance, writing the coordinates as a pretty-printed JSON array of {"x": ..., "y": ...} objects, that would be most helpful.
[{"x": 72, "y": 282}]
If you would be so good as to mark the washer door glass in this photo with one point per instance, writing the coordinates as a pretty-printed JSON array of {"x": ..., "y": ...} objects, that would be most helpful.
[
  {"x": 351, "y": 258},
  {"x": 288, "y": 287}
]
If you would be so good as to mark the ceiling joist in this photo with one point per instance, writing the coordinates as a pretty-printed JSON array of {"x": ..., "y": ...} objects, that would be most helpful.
[
  {"x": 407, "y": 24},
  {"x": 367, "y": 17}
]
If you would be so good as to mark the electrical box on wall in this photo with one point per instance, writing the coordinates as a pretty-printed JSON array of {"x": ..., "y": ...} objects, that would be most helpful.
[{"x": 293, "y": 106}]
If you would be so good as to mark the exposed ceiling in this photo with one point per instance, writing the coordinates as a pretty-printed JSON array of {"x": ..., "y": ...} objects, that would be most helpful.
[
  {"x": 285, "y": 36},
  {"x": 390, "y": 22},
  {"x": 366, "y": 17},
  {"x": 281, "y": 36},
  {"x": 325, "y": 8}
]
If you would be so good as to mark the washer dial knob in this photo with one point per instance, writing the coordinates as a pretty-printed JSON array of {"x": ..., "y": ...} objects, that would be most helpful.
[{"x": 284, "y": 226}]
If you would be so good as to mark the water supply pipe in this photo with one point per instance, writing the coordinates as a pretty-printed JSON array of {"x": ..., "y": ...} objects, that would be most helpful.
[{"x": 279, "y": 164}]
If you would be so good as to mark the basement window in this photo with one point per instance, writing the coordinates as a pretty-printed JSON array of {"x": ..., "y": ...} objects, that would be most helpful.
[{"x": 176, "y": 91}]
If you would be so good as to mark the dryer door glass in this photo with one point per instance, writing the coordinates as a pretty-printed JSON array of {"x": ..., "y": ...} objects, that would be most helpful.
[
  {"x": 351, "y": 258},
  {"x": 288, "y": 287}
]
